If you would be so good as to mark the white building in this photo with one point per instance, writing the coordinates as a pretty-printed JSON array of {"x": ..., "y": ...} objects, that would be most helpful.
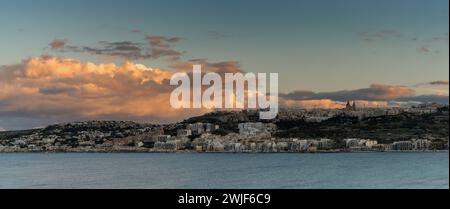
[
  {"x": 371, "y": 143},
  {"x": 325, "y": 143},
  {"x": 253, "y": 129},
  {"x": 402, "y": 145},
  {"x": 163, "y": 138},
  {"x": 421, "y": 144},
  {"x": 351, "y": 142},
  {"x": 199, "y": 128},
  {"x": 184, "y": 132}
]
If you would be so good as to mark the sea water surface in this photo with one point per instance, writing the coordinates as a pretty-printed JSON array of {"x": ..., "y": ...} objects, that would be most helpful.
[{"x": 215, "y": 170}]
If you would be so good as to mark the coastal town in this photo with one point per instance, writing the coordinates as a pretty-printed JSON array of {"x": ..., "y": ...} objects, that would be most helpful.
[{"x": 352, "y": 129}]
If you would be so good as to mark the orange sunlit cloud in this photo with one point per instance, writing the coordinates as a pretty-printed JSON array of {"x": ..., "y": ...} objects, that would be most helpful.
[{"x": 68, "y": 87}]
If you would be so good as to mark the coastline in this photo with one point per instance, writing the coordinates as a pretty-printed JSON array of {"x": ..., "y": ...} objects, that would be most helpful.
[{"x": 214, "y": 152}]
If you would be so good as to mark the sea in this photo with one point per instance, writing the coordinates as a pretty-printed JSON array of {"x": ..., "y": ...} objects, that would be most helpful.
[{"x": 379, "y": 170}]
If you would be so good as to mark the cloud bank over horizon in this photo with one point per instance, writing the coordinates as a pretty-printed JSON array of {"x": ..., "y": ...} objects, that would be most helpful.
[
  {"x": 377, "y": 95},
  {"x": 63, "y": 89}
]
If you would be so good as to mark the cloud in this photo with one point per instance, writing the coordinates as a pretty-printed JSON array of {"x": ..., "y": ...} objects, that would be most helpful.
[
  {"x": 434, "y": 83},
  {"x": 441, "y": 99},
  {"x": 71, "y": 89},
  {"x": 376, "y": 92},
  {"x": 217, "y": 35},
  {"x": 155, "y": 48},
  {"x": 57, "y": 44},
  {"x": 371, "y": 36},
  {"x": 443, "y": 37},
  {"x": 377, "y": 95},
  {"x": 433, "y": 44},
  {"x": 315, "y": 103},
  {"x": 61, "y": 89},
  {"x": 217, "y": 67},
  {"x": 123, "y": 49},
  {"x": 161, "y": 41},
  {"x": 424, "y": 49},
  {"x": 424, "y": 45},
  {"x": 438, "y": 82},
  {"x": 57, "y": 89},
  {"x": 160, "y": 46},
  {"x": 329, "y": 104}
]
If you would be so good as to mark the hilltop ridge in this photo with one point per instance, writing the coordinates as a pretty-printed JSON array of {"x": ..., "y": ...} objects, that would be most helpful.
[{"x": 384, "y": 126}]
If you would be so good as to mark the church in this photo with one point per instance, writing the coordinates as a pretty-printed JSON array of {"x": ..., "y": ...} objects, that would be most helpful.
[{"x": 350, "y": 107}]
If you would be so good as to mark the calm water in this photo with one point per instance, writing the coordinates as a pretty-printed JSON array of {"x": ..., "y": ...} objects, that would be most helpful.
[{"x": 152, "y": 170}]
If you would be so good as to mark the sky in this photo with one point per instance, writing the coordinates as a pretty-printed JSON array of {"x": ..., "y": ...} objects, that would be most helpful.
[{"x": 325, "y": 51}]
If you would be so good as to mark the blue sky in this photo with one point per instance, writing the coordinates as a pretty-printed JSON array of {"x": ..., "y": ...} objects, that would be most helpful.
[
  {"x": 320, "y": 45},
  {"x": 317, "y": 44}
]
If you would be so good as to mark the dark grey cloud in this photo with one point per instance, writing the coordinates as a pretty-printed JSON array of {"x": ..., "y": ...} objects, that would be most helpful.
[
  {"x": 165, "y": 52},
  {"x": 376, "y": 92},
  {"x": 161, "y": 46},
  {"x": 441, "y": 99},
  {"x": 57, "y": 89},
  {"x": 434, "y": 83},
  {"x": 208, "y": 66},
  {"x": 439, "y": 82},
  {"x": 371, "y": 36},
  {"x": 57, "y": 43},
  {"x": 155, "y": 48},
  {"x": 123, "y": 49},
  {"x": 162, "y": 41}
]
